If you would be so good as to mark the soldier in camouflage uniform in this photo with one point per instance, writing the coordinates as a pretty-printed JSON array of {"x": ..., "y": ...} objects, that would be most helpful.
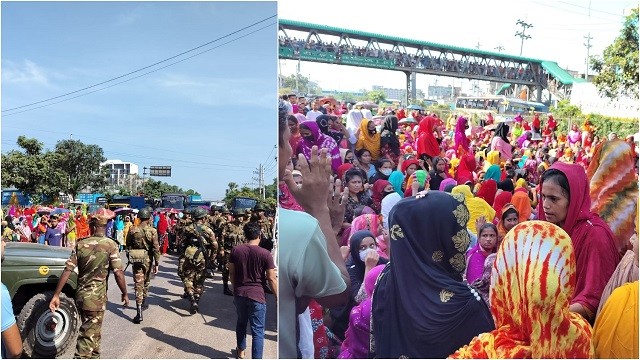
[
  {"x": 91, "y": 259},
  {"x": 199, "y": 239},
  {"x": 266, "y": 228},
  {"x": 219, "y": 226},
  {"x": 210, "y": 221},
  {"x": 232, "y": 234},
  {"x": 143, "y": 247},
  {"x": 179, "y": 230}
]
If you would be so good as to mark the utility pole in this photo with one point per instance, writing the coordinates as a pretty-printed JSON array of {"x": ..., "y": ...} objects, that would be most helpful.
[
  {"x": 588, "y": 46},
  {"x": 499, "y": 48},
  {"x": 521, "y": 34},
  {"x": 260, "y": 179}
]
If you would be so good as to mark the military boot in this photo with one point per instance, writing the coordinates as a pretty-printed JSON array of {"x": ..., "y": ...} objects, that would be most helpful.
[
  {"x": 194, "y": 304},
  {"x": 225, "y": 285},
  {"x": 138, "y": 319}
]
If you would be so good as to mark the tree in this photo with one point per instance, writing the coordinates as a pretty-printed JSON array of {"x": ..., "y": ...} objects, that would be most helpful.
[
  {"x": 618, "y": 67},
  {"x": 81, "y": 164},
  {"x": 192, "y": 192},
  {"x": 32, "y": 172},
  {"x": 376, "y": 96},
  {"x": 300, "y": 84}
]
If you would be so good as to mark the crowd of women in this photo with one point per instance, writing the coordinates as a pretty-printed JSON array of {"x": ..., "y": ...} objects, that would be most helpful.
[
  {"x": 62, "y": 226},
  {"x": 505, "y": 239}
]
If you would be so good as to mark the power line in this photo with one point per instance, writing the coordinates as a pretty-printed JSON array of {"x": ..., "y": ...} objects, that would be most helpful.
[
  {"x": 590, "y": 9},
  {"x": 147, "y": 73},
  {"x": 567, "y": 10},
  {"x": 144, "y": 68}
]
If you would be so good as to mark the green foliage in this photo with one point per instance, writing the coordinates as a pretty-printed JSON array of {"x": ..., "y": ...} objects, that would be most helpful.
[
  {"x": 271, "y": 191},
  {"x": 192, "y": 192},
  {"x": 34, "y": 173},
  {"x": 376, "y": 96},
  {"x": 299, "y": 85},
  {"x": 81, "y": 166},
  {"x": 564, "y": 109},
  {"x": 154, "y": 189},
  {"x": 618, "y": 67}
]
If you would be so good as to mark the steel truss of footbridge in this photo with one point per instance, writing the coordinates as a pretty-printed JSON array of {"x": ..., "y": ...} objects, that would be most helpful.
[{"x": 332, "y": 45}]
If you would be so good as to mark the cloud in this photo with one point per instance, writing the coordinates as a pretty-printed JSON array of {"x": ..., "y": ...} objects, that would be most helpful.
[
  {"x": 26, "y": 73},
  {"x": 221, "y": 91},
  {"x": 127, "y": 19}
]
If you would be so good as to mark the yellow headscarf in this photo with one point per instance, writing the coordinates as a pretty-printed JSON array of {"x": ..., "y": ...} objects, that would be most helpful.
[
  {"x": 368, "y": 141},
  {"x": 521, "y": 183},
  {"x": 493, "y": 158},
  {"x": 477, "y": 207}
]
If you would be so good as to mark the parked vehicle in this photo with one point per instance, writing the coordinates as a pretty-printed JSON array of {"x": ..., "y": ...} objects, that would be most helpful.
[{"x": 31, "y": 272}]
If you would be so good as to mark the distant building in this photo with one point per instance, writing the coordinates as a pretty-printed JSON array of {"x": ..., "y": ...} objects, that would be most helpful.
[{"x": 122, "y": 173}]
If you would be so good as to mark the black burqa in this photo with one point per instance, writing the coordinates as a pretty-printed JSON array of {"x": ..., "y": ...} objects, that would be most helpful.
[{"x": 421, "y": 306}]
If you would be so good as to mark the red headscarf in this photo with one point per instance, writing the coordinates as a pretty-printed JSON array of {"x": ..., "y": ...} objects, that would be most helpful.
[
  {"x": 589, "y": 234},
  {"x": 427, "y": 143},
  {"x": 376, "y": 194},
  {"x": 465, "y": 169},
  {"x": 408, "y": 163},
  {"x": 343, "y": 169},
  {"x": 488, "y": 190},
  {"x": 500, "y": 201}
]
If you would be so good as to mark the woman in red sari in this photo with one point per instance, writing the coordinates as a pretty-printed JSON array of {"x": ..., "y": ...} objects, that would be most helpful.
[
  {"x": 565, "y": 202},
  {"x": 465, "y": 169}
]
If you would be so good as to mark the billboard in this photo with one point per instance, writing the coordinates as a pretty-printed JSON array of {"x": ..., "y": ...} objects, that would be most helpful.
[{"x": 160, "y": 171}]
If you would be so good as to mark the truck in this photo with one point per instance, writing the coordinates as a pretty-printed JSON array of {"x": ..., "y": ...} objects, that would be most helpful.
[
  {"x": 31, "y": 272},
  {"x": 177, "y": 201},
  {"x": 244, "y": 203}
]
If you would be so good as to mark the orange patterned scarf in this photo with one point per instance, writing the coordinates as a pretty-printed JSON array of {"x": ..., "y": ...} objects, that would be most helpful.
[
  {"x": 613, "y": 188},
  {"x": 532, "y": 282}
]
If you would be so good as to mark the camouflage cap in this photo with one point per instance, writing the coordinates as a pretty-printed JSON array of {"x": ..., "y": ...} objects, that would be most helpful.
[
  {"x": 144, "y": 214},
  {"x": 198, "y": 213},
  {"x": 225, "y": 210}
]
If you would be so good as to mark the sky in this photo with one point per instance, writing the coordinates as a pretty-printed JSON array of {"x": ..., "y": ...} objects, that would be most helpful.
[
  {"x": 557, "y": 34},
  {"x": 211, "y": 117}
]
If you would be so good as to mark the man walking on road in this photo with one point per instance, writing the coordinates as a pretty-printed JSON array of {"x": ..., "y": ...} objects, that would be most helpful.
[
  {"x": 249, "y": 267},
  {"x": 142, "y": 244},
  {"x": 92, "y": 259}
]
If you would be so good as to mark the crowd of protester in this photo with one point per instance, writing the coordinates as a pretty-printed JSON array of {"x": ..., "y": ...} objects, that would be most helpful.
[
  {"x": 424, "y": 61},
  {"x": 423, "y": 237}
]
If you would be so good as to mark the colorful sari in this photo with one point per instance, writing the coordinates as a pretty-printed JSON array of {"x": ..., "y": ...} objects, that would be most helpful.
[
  {"x": 615, "y": 334},
  {"x": 613, "y": 189},
  {"x": 462, "y": 142},
  {"x": 532, "y": 282},
  {"x": 590, "y": 235},
  {"x": 322, "y": 141},
  {"x": 427, "y": 143}
]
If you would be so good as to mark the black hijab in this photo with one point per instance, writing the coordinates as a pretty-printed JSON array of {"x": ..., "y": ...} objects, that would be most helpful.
[
  {"x": 323, "y": 124},
  {"x": 388, "y": 135},
  {"x": 503, "y": 131},
  {"x": 421, "y": 307},
  {"x": 355, "y": 266},
  {"x": 506, "y": 185}
]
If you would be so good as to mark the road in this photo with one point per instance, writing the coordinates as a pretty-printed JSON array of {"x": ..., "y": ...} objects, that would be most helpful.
[{"x": 168, "y": 329}]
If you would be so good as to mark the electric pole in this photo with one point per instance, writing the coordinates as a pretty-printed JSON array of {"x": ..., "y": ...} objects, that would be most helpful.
[
  {"x": 499, "y": 48},
  {"x": 521, "y": 34},
  {"x": 260, "y": 179},
  {"x": 588, "y": 46}
]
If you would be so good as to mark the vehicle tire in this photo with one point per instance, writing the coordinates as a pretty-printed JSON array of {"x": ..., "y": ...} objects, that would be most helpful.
[{"x": 35, "y": 321}]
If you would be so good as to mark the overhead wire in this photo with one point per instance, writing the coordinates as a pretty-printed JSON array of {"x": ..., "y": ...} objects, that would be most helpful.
[
  {"x": 139, "y": 76},
  {"x": 144, "y": 68}
]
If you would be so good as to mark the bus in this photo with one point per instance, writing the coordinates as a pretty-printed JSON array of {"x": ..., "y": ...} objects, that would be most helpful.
[{"x": 498, "y": 104}]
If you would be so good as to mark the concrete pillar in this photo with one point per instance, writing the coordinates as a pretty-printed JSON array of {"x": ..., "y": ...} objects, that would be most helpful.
[{"x": 539, "y": 93}]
